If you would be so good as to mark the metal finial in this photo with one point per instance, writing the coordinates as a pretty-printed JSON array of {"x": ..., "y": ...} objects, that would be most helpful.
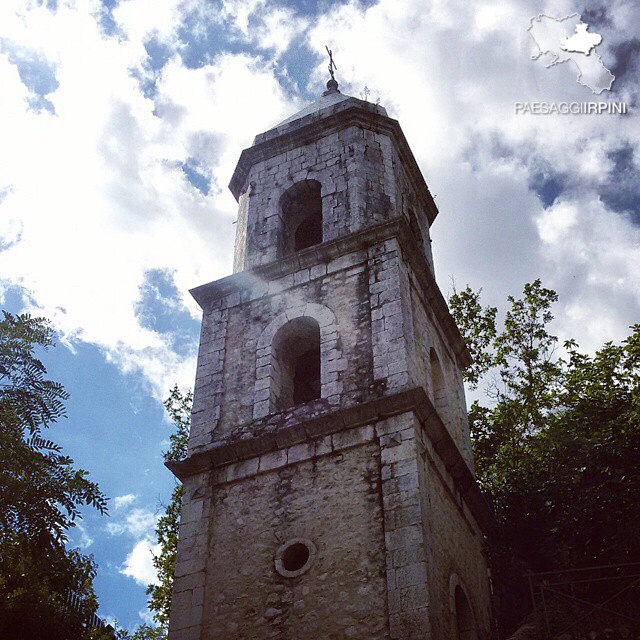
[
  {"x": 332, "y": 64},
  {"x": 332, "y": 85}
]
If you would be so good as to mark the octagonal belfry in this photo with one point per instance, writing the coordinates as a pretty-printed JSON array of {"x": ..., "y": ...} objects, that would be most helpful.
[{"x": 329, "y": 490}]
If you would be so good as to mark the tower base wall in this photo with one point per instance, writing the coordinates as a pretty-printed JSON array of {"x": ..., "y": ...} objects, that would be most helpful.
[{"x": 381, "y": 508}]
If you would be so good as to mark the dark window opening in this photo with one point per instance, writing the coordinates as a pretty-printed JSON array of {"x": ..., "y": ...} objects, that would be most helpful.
[
  {"x": 464, "y": 616},
  {"x": 301, "y": 209},
  {"x": 306, "y": 377},
  {"x": 295, "y": 556},
  {"x": 296, "y": 364},
  {"x": 308, "y": 233}
]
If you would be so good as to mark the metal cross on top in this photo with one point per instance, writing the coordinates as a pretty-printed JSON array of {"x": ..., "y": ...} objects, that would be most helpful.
[{"x": 332, "y": 64}]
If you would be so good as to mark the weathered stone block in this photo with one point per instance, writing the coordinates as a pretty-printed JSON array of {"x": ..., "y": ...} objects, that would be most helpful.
[
  {"x": 404, "y": 537},
  {"x": 273, "y": 460},
  {"x": 242, "y": 469},
  {"x": 412, "y": 574}
]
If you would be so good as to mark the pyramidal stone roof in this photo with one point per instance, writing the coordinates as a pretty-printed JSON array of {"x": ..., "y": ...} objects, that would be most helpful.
[
  {"x": 331, "y": 112},
  {"x": 331, "y": 102},
  {"x": 327, "y": 99}
]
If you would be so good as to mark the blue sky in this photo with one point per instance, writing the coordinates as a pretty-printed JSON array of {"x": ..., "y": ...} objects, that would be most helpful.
[{"x": 122, "y": 121}]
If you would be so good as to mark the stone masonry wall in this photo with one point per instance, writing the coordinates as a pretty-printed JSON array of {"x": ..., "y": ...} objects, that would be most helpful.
[
  {"x": 411, "y": 206},
  {"x": 431, "y": 538},
  {"x": 379, "y": 342},
  {"x": 228, "y": 390},
  {"x": 390, "y": 530},
  {"x": 343, "y": 293},
  {"x": 427, "y": 335},
  {"x": 454, "y": 547},
  {"x": 338, "y": 162},
  {"x": 333, "y": 500},
  {"x": 363, "y": 184}
]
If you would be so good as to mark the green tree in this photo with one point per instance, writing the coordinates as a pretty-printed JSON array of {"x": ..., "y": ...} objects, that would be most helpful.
[
  {"x": 558, "y": 440},
  {"x": 478, "y": 326},
  {"x": 590, "y": 450},
  {"x": 41, "y": 496},
  {"x": 178, "y": 406},
  {"x": 521, "y": 376}
]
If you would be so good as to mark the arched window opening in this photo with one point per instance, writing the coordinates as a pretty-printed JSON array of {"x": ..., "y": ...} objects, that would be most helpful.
[
  {"x": 296, "y": 363},
  {"x": 438, "y": 386},
  {"x": 308, "y": 233},
  {"x": 306, "y": 377},
  {"x": 465, "y": 624},
  {"x": 301, "y": 207}
]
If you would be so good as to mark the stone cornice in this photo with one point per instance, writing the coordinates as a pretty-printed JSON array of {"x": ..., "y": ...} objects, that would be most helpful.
[
  {"x": 339, "y": 420},
  {"x": 327, "y": 251},
  {"x": 312, "y": 127}
]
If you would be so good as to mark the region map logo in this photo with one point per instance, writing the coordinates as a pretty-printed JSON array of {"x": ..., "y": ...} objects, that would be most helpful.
[{"x": 568, "y": 40}]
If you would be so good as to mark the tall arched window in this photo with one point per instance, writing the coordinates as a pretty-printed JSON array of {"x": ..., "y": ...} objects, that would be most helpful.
[
  {"x": 301, "y": 208},
  {"x": 438, "y": 386},
  {"x": 465, "y": 623},
  {"x": 296, "y": 363}
]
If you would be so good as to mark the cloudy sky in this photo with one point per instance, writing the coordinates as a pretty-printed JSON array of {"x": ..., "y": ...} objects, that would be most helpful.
[{"x": 121, "y": 122}]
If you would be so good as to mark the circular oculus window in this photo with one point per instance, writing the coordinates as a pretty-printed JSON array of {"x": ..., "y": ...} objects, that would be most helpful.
[{"x": 295, "y": 557}]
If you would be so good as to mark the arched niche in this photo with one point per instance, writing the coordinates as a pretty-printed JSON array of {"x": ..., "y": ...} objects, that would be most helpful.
[
  {"x": 296, "y": 363},
  {"x": 292, "y": 357},
  {"x": 301, "y": 215},
  {"x": 465, "y": 624},
  {"x": 463, "y": 619}
]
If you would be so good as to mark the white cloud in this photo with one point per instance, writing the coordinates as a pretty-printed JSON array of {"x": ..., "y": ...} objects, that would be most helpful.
[
  {"x": 85, "y": 540},
  {"x": 96, "y": 197},
  {"x": 278, "y": 29},
  {"x": 146, "y": 616},
  {"x": 139, "y": 562},
  {"x": 596, "y": 253},
  {"x": 124, "y": 501},
  {"x": 141, "y": 18},
  {"x": 137, "y": 523},
  {"x": 451, "y": 74},
  {"x": 262, "y": 23}
]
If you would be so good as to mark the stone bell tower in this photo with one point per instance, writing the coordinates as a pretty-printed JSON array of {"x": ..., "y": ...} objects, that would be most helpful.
[{"x": 329, "y": 491}]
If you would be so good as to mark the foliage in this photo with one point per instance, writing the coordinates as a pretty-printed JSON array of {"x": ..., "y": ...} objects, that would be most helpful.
[
  {"x": 558, "y": 442},
  {"x": 178, "y": 406},
  {"x": 478, "y": 326},
  {"x": 143, "y": 632},
  {"x": 591, "y": 450},
  {"x": 41, "y": 495}
]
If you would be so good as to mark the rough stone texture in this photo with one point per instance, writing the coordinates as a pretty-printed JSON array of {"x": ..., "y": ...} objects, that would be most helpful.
[
  {"x": 376, "y": 333},
  {"x": 377, "y": 494},
  {"x": 454, "y": 546},
  {"x": 375, "y": 472},
  {"x": 333, "y": 501},
  {"x": 363, "y": 183},
  {"x": 427, "y": 334},
  {"x": 430, "y": 537}
]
